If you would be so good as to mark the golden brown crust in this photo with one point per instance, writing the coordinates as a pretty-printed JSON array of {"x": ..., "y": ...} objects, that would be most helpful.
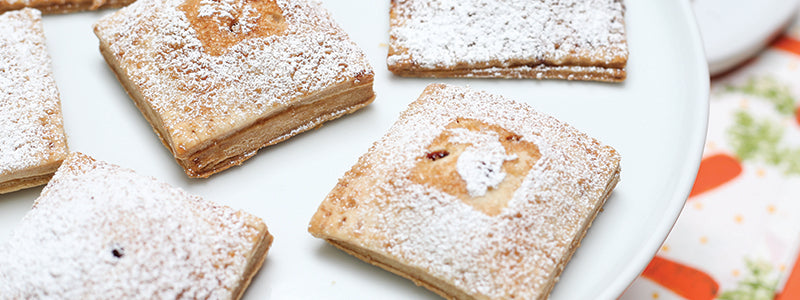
[
  {"x": 573, "y": 40},
  {"x": 36, "y": 145},
  {"x": 133, "y": 91},
  {"x": 23, "y": 183},
  {"x": 218, "y": 88},
  {"x": 413, "y": 217},
  {"x": 165, "y": 243},
  {"x": 419, "y": 277},
  {"x": 232, "y": 150},
  {"x": 256, "y": 257},
  {"x": 63, "y": 6},
  {"x": 274, "y": 129},
  {"x": 535, "y": 72},
  {"x": 270, "y": 22}
]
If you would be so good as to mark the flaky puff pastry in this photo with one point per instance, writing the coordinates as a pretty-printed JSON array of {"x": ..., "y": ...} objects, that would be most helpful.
[
  {"x": 99, "y": 231},
  {"x": 472, "y": 196},
  {"x": 32, "y": 139},
  {"x": 220, "y": 80},
  {"x": 560, "y": 39},
  {"x": 61, "y": 6}
]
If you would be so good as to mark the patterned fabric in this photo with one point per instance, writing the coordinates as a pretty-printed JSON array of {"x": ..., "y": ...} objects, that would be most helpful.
[{"x": 738, "y": 237}]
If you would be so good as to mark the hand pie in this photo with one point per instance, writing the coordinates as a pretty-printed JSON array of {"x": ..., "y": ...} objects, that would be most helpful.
[
  {"x": 562, "y": 39},
  {"x": 220, "y": 80},
  {"x": 472, "y": 196},
  {"x": 104, "y": 232},
  {"x": 32, "y": 141}
]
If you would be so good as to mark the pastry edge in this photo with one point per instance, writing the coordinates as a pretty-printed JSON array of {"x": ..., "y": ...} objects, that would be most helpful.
[
  {"x": 61, "y": 8},
  {"x": 587, "y": 73},
  {"x": 186, "y": 159},
  {"x": 257, "y": 258},
  {"x": 258, "y": 127},
  {"x": 440, "y": 287},
  {"x": 423, "y": 279},
  {"x": 24, "y": 183},
  {"x": 33, "y": 176}
]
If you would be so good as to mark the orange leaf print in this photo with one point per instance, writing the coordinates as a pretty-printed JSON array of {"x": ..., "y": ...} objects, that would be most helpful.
[
  {"x": 683, "y": 280},
  {"x": 715, "y": 171},
  {"x": 788, "y": 44},
  {"x": 792, "y": 288},
  {"x": 797, "y": 115}
]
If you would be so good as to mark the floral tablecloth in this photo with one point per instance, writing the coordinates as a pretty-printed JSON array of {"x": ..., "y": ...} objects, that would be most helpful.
[{"x": 738, "y": 237}]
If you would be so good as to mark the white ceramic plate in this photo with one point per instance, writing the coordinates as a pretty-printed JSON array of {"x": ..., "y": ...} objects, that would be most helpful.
[
  {"x": 656, "y": 120},
  {"x": 735, "y": 30}
]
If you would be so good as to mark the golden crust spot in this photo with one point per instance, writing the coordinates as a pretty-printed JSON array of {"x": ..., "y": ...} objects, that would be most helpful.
[{"x": 227, "y": 24}]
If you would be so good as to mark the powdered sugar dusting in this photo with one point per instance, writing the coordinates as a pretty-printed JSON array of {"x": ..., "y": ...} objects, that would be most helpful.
[
  {"x": 14, "y": 3},
  {"x": 31, "y": 130},
  {"x": 507, "y": 33},
  {"x": 101, "y": 231},
  {"x": 223, "y": 10},
  {"x": 515, "y": 254},
  {"x": 200, "y": 96},
  {"x": 480, "y": 165}
]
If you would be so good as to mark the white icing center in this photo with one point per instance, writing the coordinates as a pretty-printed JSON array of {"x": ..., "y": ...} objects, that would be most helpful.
[{"x": 480, "y": 165}]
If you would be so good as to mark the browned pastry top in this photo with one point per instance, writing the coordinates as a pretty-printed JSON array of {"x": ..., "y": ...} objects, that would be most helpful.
[
  {"x": 208, "y": 68},
  {"x": 219, "y": 31},
  {"x": 31, "y": 126},
  {"x": 509, "y": 38},
  {"x": 474, "y": 190},
  {"x": 99, "y": 230}
]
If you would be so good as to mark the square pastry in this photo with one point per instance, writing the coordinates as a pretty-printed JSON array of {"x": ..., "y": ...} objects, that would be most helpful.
[
  {"x": 32, "y": 140},
  {"x": 562, "y": 39},
  {"x": 472, "y": 196},
  {"x": 99, "y": 231},
  {"x": 61, "y": 6},
  {"x": 219, "y": 80}
]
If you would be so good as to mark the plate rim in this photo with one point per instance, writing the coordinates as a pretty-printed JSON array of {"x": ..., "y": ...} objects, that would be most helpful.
[{"x": 687, "y": 175}]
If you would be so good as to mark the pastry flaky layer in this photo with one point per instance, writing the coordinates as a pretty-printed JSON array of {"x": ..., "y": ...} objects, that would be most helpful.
[
  {"x": 471, "y": 195},
  {"x": 99, "y": 231},
  {"x": 32, "y": 139},
  {"x": 559, "y": 39},
  {"x": 61, "y": 6},
  {"x": 220, "y": 80}
]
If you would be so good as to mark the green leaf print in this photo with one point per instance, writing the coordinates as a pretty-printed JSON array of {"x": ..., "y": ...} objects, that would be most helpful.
[
  {"x": 760, "y": 139},
  {"x": 770, "y": 89},
  {"x": 758, "y": 284},
  {"x": 752, "y": 139},
  {"x": 792, "y": 158}
]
